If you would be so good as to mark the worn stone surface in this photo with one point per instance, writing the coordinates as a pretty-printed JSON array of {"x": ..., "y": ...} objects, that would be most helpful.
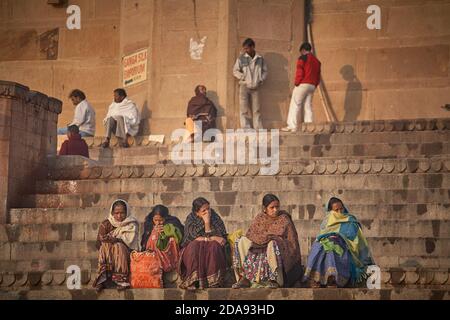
[
  {"x": 402, "y": 204},
  {"x": 354, "y": 58},
  {"x": 29, "y": 119},
  {"x": 230, "y": 294}
]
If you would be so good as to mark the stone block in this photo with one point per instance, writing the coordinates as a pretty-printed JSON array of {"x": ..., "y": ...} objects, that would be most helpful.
[
  {"x": 5, "y": 251},
  {"x": 92, "y": 41},
  {"x": 107, "y": 9},
  {"x": 396, "y": 63},
  {"x": 418, "y": 20},
  {"x": 388, "y": 104},
  {"x": 274, "y": 19},
  {"x": 173, "y": 10}
]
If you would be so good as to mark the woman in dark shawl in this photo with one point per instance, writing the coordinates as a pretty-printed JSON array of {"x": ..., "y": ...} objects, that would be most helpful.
[
  {"x": 203, "y": 256},
  {"x": 269, "y": 254},
  {"x": 200, "y": 108}
]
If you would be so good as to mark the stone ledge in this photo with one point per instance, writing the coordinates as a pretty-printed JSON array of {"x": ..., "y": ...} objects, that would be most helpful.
[
  {"x": 400, "y": 293},
  {"x": 321, "y": 128},
  {"x": 13, "y": 90},
  {"x": 17, "y": 91},
  {"x": 312, "y": 167},
  {"x": 68, "y": 162},
  {"x": 55, "y": 278}
]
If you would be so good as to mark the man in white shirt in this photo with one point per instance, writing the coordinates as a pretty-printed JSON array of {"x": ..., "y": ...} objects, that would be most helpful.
[
  {"x": 251, "y": 71},
  {"x": 84, "y": 116},
  {"x": 122, "y": 120}
]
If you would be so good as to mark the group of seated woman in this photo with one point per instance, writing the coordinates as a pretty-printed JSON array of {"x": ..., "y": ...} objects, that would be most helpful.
[{"x": 202, "y": 251}]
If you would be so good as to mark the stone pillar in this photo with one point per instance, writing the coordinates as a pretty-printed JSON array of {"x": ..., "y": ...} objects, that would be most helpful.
[
  {"x": 28, "y": 122},
  {"x": 226, "y": 56}
]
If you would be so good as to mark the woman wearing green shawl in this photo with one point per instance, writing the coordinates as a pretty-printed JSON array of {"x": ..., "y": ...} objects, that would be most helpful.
[
  {"x": 161, "y": 249},
  {"x": 340, "y": 254}
]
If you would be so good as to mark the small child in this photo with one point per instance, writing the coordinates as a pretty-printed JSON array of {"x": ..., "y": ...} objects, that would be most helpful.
[{"x": 74, "y": 146}]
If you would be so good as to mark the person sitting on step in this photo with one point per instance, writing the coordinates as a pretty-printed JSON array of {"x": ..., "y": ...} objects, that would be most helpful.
[
  {"x": 203, "y": 260},
  {"x": 122, "y": 119},
  {"x": 117, "y": 236},
  {"x": 84, "y": 116},
  {"x": 160, "y": 249},
  {"x": 75, "y": 145},
  {"x": 340, "y": 254},
  {"x": 200, "y": 108},
  {"x": 269, "y": 254}
]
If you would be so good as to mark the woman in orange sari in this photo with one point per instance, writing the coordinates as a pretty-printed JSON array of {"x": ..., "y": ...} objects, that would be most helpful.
[{"x": 160, "y": 246}]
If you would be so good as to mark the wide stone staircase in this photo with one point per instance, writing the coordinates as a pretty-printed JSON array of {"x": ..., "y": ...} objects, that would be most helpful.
[{"x": 393, "y": 175}]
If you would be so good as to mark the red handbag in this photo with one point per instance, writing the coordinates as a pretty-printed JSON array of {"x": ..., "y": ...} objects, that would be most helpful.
[{"x": 145, "y": 270}]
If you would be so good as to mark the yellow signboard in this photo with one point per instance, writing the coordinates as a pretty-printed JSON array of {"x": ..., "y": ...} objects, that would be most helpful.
[{"x": 134, "y": 68}]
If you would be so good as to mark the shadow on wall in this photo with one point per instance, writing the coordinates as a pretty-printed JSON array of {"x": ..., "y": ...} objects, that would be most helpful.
[
  {"x": 145, "y": 116},
  {"x": 275, "y": 90},
  {"x": 353, "y": 94},
  {"x": 214, "y": 97}
]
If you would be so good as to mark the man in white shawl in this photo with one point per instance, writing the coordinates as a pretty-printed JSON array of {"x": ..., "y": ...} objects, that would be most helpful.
[
  {"x": 122, "y": 119},
  {"x": 117, "y": 236}
]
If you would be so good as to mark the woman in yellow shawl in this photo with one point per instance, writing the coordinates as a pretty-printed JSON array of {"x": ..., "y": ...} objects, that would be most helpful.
[
  {"x": 117, "y": 236},
  {"x": 340, "y": 254}
]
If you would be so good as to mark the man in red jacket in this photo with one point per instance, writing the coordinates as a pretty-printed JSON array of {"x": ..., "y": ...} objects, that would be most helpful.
[
  {"x": 307, "y": 78},
  {"x": 75, "y": 146}
]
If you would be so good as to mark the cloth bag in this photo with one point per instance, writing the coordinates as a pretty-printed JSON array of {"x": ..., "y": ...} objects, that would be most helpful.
[{"x": 146, "y": 270}]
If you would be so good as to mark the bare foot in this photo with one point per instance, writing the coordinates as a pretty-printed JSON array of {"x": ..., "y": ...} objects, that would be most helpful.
[{"x": 105, "y": 144}]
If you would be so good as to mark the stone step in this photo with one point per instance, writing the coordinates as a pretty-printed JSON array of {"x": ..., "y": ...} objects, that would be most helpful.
[
  {"x": 364, "y": 138},
  {"x": 305, "y": 228},
  {"x": 89, "y": 264},
  {"x": 146, "y": 155},
  {"x": 413, "y": 126},
  {"x": 52, "y": 275},
  {"x": 75, "y": 168},
  {"x": 59, "y": 265},
  {"x": 231, "y": 294},
  {"x": 350, "y": 197},
  {"x": 292, "y": 140},
  {"x": 377, "y": 212},
  {"x": 395, "y": 247},
  {"x": 399, "y": 150},
  {"x": 252, "y": 183}
]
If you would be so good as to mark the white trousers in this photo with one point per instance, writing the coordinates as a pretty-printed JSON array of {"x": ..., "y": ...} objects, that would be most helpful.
[{"x": 301, "y": 95}]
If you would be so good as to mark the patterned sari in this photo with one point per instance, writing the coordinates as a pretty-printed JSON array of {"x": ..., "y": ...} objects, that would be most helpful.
[
  {"x": 270, "y": 251},
  {"x": 115, "y": 240},
  {"x": 340, "y": 250}
]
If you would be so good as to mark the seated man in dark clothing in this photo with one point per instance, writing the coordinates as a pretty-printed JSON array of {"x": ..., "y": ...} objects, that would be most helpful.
[
  {"x": 74, "y": 146},
  {"x": 200, "y": 108}
]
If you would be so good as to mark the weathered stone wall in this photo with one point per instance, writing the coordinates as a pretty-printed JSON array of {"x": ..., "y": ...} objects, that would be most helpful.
[
  {"x": 88, "y": 59},
  {"x": 400, "y": 71},
  {"x": 45, "y": 55},
  {"x": 225, "y": 23},
  {"x": 28, "y": 122}
]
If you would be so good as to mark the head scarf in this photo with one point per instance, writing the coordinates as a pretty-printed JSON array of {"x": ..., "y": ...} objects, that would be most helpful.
[
  {"x": 201, "y": 104},
  {"x": 148, "y": 225},
  {"x": 194, "y": 227},
  {"x": 349, "y": 229},
  {"x": 128, "y": 229},
  {"x": 281, "y": 229}
]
